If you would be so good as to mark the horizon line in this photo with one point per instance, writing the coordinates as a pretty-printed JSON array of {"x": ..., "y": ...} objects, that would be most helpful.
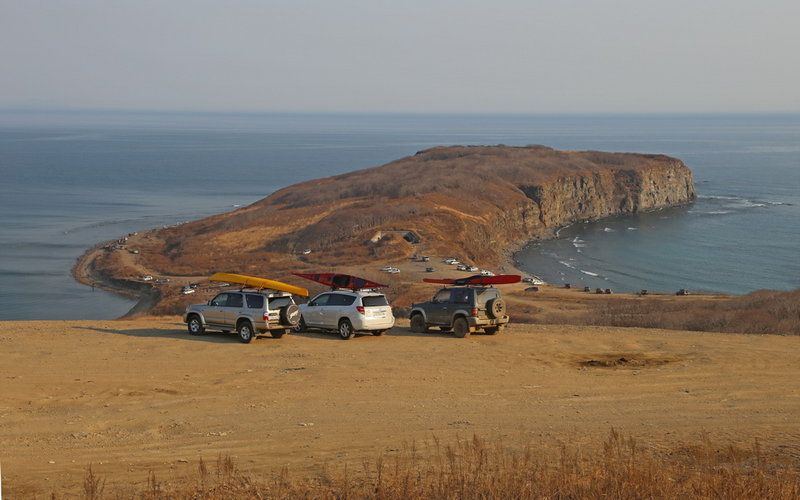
[{"x": 37, "y": 110}]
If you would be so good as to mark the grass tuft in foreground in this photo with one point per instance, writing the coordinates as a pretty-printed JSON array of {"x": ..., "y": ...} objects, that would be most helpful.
[{"x": 619, "y": 468}]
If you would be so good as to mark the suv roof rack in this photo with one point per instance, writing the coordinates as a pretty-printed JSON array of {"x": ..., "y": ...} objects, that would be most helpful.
[
  {"x": 260, "y": 290},
  {"x": 354, "y": 290}
]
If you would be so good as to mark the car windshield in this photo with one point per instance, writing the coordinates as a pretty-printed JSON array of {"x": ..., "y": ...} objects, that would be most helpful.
[{"x": 374, "y": 301}]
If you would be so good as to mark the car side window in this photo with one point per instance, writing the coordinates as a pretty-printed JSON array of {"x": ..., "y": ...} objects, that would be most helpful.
[
  {"x": 220, "y": 300},
  {"x": 461, "y": 296},
  {"x": 442, "y": 296},
  {"x": 338, "y": 299},
  {"x": 235, "y": 300},
  {"x": 255, "y": 301},
  {"x": 320, "y": 301}
]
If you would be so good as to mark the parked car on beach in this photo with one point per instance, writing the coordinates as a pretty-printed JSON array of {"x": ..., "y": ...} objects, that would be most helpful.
[
  {"x": 462, "y": 310},
  {"x": 248, "y": 312},
  {"x": 347, "y": 312}
]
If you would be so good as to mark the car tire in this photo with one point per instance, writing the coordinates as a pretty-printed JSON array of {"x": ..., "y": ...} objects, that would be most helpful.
[
  {"x": 245, "y": 331},
  {"x": 492, "y": 330},
  {"x": 290, "y": 315},
  {"x": 194, "y": 325},
  {"x": 300, "y": 326},
  {"x": 276, "y": 334},
  {"x": 346, "y": 331},
  {"x": 418, "y": 324},
  {"x": 460, "y": 328},
  {"x": 496, "y": 308},
  {"x": 378, "y": 333}
]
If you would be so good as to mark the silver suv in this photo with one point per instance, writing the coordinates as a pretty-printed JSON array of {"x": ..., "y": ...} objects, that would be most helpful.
[
  {"x": 348, "y": 312},
  {"x": 461, "y": 309},
  {"x": 249, "y": 312}
]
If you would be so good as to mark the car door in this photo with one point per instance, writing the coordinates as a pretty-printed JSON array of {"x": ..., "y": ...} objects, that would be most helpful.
[
  {"x": 460, "y": 300},
  {"x": 233, "y": 309},
  {"x": 314, "y": 311},
  {"x": 339, "y": 306},
  {"x": 439, "y": 312},
  {"x": 215, "y": 312}
]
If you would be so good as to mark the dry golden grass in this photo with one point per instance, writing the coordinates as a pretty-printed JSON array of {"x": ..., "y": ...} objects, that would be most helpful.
[
  {"x": 618, "y": 468},
  {"x": 759, "y": 312}
]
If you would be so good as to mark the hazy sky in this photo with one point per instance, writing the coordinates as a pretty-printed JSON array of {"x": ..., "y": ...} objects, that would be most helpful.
[{"x": 411, "y": 55}]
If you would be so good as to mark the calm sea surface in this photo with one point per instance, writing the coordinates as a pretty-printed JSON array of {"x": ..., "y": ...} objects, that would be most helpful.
[{"x": 71, "y": 180}]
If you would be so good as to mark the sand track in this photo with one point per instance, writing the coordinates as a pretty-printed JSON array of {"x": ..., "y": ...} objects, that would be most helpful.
[{"x": 129, "y": 396}]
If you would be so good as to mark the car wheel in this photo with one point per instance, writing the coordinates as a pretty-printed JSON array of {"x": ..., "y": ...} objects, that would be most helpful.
[
  {"x": 491, "y": 330},
  {"x": 378, "y": 333},
  {"x": 346, "y": 329},
  {"x": 276, "y": 334},
  {"x": 245, "y": 331},
  {"x": 195, "y": 326},
  {"x": 418, "y": 324},
  {"x": 496, "y": 308},
  {"x": 300, "y": 326},
  {"x": 460, "y": 328}
]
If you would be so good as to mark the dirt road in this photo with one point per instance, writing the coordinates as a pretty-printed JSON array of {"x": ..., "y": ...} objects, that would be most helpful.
[{"x": 133, "y": 396}]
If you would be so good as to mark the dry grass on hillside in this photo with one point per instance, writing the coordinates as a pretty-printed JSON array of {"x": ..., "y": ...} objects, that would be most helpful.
[
  {"x": 621, "y": 468},
  {"x": 759, "y": 312}
]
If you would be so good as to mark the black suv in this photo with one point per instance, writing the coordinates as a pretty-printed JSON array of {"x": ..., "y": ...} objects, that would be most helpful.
[{"x": 462, "y": 310}]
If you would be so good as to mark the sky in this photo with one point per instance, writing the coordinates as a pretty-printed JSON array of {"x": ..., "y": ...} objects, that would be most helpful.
[{"x": 436, "y": 56}]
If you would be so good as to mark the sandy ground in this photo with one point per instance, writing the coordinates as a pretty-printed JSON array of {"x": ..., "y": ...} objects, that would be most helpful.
[{"x": 131, "y": 396}]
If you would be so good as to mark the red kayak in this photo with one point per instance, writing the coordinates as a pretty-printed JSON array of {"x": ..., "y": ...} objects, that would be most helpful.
[
  {"x": 500, "y": 279},
  {"x": 340, "y": 280}
]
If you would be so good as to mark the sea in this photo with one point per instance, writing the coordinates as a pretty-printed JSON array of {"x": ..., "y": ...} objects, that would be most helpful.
[{"x": 70, "y": 180}]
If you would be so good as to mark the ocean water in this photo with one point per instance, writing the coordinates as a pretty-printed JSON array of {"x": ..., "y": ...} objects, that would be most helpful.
[{"x": 70, "y": 180}]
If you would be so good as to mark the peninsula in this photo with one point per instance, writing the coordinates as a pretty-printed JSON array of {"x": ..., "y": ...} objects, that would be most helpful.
[{"x": 479, "y": 203}]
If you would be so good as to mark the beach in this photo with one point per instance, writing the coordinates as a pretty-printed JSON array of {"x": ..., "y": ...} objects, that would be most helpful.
[{"x": 132, "y": 396}]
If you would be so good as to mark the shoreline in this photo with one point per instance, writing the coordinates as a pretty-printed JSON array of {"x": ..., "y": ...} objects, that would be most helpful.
[
  {"x": 84, "y": 272},
  {"x": 148, "y": 296}
]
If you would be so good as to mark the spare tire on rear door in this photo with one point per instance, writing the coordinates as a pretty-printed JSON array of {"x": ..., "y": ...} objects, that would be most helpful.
[
  {"x": 290, "y": 315},
  {"x": 496, "y": 308}
]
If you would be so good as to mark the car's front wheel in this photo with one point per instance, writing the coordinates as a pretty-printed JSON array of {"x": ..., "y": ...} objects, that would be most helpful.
[
  {"x": 418, "y": 324},
  {"x": 346, "y": 329},
  {"x": 195, "y": 326},
  {"x": 245, "y": 330}
]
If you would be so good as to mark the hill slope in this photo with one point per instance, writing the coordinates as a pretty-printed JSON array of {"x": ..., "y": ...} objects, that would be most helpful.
[{"x": 476, "y": 202}]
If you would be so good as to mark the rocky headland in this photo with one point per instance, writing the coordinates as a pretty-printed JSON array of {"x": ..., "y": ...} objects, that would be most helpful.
[{"x": 479, "y": 203}]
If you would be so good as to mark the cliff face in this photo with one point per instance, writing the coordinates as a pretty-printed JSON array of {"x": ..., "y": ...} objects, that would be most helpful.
[
  {"x": 473, "y": 202},
  {"x": 601, "y": 194}
]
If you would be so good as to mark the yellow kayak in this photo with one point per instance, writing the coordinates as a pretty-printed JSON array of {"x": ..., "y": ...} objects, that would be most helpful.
[{"x": 259, "y": 283}]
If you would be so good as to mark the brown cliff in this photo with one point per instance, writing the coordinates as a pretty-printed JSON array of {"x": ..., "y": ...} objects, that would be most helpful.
[{"x": 474, "y": 202}]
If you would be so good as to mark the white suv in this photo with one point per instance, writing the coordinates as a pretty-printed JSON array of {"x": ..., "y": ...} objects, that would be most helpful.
[{"x": 347, "y": 312}]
